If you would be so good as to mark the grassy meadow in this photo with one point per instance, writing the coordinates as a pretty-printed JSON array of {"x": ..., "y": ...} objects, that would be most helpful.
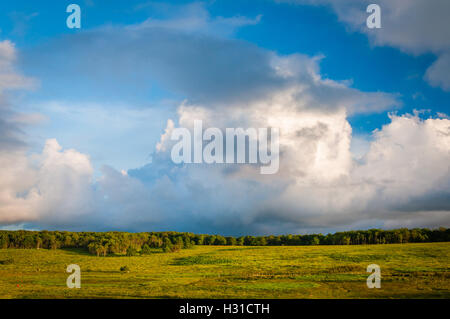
[{"x": 407, "y": 270}]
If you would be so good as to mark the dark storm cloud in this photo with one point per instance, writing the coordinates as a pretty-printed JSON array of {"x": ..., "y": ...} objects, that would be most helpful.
[{"x": 197, "y": 66}]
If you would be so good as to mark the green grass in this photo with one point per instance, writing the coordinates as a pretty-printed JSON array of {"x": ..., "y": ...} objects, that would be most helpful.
[{"x": 408, "y": 271}]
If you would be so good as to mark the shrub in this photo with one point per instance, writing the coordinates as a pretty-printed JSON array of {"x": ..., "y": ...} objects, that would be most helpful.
[
  {"x": 124, "y": 269},
  {"x": 146, "y": 250}
]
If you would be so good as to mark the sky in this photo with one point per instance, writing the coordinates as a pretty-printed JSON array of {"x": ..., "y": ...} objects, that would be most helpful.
[{"x": 86, "y": 115}]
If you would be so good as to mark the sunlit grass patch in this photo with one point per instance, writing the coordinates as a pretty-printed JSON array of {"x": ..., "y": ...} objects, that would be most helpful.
[{"x": 233, "y": 272}]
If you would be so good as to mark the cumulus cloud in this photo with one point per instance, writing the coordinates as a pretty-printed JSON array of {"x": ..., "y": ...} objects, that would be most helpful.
[
  {"x": 404, "y": 176},
  {"x": 53, "y": 185},
  {"x": 413, "y": 26}
]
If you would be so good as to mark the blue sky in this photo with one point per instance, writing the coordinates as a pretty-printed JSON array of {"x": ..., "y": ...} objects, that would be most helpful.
[{"x": 108, "y": 89}]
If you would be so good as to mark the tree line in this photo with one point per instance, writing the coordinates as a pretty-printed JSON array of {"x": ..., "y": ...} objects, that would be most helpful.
[{"x": 123, "y": 243}]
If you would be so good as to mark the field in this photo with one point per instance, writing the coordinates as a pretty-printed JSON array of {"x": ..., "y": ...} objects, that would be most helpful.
[{"x": 407, "y": 270}]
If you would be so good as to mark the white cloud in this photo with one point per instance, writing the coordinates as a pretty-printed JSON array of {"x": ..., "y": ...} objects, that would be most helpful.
[{"x": 55, "y": 184}]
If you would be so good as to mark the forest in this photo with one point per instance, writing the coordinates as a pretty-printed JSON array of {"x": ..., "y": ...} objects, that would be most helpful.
[{"x": 132, "y": 244}]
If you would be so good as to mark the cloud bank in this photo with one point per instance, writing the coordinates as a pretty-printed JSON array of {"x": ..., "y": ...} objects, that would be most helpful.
[{"x": 402, "y": 180}]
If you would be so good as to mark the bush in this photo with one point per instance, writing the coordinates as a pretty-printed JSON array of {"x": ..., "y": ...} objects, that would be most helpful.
[
  {"x": 176, "y": 247},
  {"x": 124, "y": 269},
  {"x": 146, "y": 250}
]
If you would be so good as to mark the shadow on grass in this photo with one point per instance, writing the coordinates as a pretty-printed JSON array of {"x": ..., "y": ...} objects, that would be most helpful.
[
  {"x": 76, "y": 251},
  {"x": 200, "y": 260},
  {"x": 239, "y": 248},
  {"x": 85, "y": 252}
]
